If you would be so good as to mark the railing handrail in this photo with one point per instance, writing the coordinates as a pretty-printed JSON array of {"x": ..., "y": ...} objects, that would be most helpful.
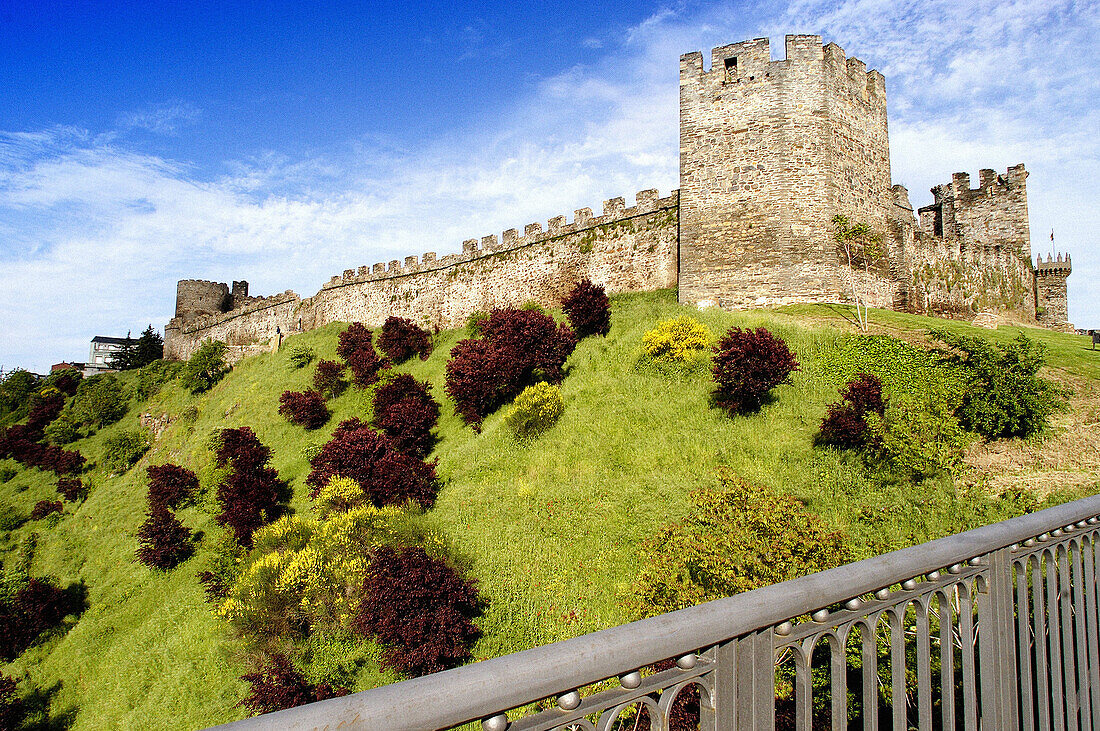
[{"x": 486, "y": 688}]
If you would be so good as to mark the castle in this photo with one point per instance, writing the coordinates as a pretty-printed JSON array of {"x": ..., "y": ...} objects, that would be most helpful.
[{"x": 770, "y": 152}]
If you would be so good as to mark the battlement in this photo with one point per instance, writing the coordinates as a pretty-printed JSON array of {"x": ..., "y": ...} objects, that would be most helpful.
[
  {"x": 1053, "y": 266},
  {"x": 750, "y": 62},
  {"x": 989, "y": 183},
  {"x": 614, "y": 210},
  {"x": 254, "y": 304}
]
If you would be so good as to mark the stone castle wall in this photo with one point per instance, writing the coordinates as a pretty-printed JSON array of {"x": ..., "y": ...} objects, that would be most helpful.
[{"x": 624, "y": 249}]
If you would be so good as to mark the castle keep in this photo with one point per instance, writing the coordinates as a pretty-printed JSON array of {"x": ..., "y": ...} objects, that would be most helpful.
[{"x": 770, "y": 152}]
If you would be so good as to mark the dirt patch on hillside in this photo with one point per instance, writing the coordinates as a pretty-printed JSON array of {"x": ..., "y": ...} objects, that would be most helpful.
[{"x": 1068, "y": 458}]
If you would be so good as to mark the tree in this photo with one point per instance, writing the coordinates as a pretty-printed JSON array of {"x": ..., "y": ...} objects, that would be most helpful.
[
  {"x": 205, "y": 368},
  {"x": 861, "y": 247},
  {"x": 139, "y": 352}
]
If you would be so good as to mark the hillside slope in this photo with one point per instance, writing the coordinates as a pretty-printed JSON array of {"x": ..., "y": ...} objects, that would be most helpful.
[{"x": 550, "y": 529}]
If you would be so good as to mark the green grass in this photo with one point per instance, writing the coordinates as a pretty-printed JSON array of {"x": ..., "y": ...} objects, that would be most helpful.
[{"x": 550, "y": 529}]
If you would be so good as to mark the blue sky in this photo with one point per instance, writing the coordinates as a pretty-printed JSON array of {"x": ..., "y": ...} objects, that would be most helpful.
[{"x": 283, "y": 142}]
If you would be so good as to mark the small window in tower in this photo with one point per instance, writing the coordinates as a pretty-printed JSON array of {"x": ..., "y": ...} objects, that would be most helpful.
[{"x": 731, "y": 69}]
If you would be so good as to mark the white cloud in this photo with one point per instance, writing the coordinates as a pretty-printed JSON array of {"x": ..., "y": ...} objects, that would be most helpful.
[{"x": 97, "y": 233}]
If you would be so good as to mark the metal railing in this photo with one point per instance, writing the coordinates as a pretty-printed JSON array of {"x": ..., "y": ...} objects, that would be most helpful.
[{"x": 993, "y": 628}]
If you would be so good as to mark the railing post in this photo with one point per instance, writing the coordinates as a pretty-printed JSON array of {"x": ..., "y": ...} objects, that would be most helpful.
[
  {"x": 755, "y": 682},
  {"x": 997, "y": 645}
]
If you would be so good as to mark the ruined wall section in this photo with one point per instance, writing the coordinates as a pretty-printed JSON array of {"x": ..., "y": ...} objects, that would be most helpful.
[
  {"x": 625, "y": 250},
  {"x": 770, "y": 151},
  {"x": 1052, "y": 308},
  {"x": 972, "y": 252}
]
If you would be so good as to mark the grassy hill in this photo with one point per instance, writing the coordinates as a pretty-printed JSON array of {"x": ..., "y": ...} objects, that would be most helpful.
[{"x": 550, "y": 529}]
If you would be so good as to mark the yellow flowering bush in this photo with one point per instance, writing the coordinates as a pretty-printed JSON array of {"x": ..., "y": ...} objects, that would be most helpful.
[
  {"x": 535, "y": 410},
  {"x": 681, "y": 339}
]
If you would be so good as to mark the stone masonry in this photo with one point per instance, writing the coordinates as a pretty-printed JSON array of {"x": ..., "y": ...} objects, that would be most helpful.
[{"x": 770, "y": 152}]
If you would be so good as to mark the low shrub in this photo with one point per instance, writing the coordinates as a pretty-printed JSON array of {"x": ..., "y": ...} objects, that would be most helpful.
[
  {"x": 36, "y": 607},
  {"x": 71, "y": 488},
  {"x": 205, "y": 367},
  {"x": 122, "y": 450},
  {"x": 681, "y": 339},
  {"x": 21, "y": 443},
  {"x": 7, "y": 473},
  {"x": 1005, "y": 396},
  {"x": 249, "y": 496},
  {"x": 735, "y": 538},
  {"x": 845, "y": 424},
  {"x": 401, "y": 339},
  {"x": 163, "y": 541},
  {"x": 588, "y": 309},
  {"x": 45, "y": 409},
  {"x": 536, "y": 409},
  {"x": 475, "y": 322},
  {"x": 306, "y": 408},
  {"x": 42, "y": 508},
  {"x": 170, "y": 485},
  {"x": 917, "y": 437},
  {"x": 420, "y": 609},
  {"x": 66, "y": 381},
  {"x": 405, "y": 411},
  {"x": 301, "y": 356},
  {"x": 353, "y": 339},
  {"x": 328, "y": 378},
  {"x": 65, "y": 429},
  {"x": 153, "y": 376},
  {"x": 517, "y": 348},
  {"x": 387, "y": 476},
  {"x": 11, "y": 708},
  {"x": 99, "y": 401},
  {"x": 278, "y": 685},
  {"x": 748, "y": 364}
]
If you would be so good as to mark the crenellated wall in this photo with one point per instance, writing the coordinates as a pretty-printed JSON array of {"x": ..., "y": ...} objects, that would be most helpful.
[
  {"x": 1050, "y": 292},
  {"x": 623, "y": 249}
]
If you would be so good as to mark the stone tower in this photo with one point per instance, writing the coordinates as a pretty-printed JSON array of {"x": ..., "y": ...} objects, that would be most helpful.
[
  {"x": 770, "y": 151},
  {"x": 1050, "y": 292}
]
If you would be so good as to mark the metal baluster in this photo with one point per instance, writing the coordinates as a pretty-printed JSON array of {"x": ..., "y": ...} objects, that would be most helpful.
[
  {"x": 720, "y": 713},
  {"x": 1042, "y": 663},
  {"x": 947, "y": 662},
  {"x": 869, "y": 638},
  {"x": 756, "y": 681},
  {"x": 803, "y": 684},
  {"x": 1024, "y": 640},
  {"x": 924, "y": 666},
  {"x": 966, "y": 645},
  {"x": 1092, "y": 622},
  {"x": 1065, "y": 604},
  {"x": 1054, "y": 638},
  {"x": 1085, "y": 718},
  {"x": 896, "y": 617},
  {"x": 838, "y": 672},
  {"x": 997, "y": 644}
]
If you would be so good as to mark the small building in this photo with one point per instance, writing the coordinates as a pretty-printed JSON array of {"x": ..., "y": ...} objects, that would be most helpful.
[
  {"x": 66, "y": 366},
  {"x": 101, "y": 354}
]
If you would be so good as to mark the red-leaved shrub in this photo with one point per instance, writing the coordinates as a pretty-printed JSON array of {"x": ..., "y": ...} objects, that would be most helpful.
[
  {"x": 278, "y": 685},
  {"x": 516, "y": 349},
  {"x": 588, "y": 309},
  {"x": 170, "y": 485},
  {"x": 11, "y": 708},
  {"x": 66, "y": 381},
  {"x": 21, "y": 442},
  {"x": 328, "y": 378},
  {"x": 419, "y": 608},
  {"x": 42, "y": 508},
  {"x": 305, "y": 408},
  {"x": 747, "y": 365},
  {"x": 406, "y": 412},
  {"x": 163, "y": 541},
  {"x": 402, "y": 338},
  {"x": 45, "y": 410},
  {"x": 249, "y": 496},
  {"x": 37, "y": 607},
  {"x": 844, "y": 424},
  {"x": 357, "y": 350},
  {"x": 386, "y": 475},
  {"x": 71, "y": 488}
]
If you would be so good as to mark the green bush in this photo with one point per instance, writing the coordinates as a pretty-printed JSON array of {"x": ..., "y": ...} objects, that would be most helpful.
[
  {"x": 205, "y": 368},
  {"x": 535, "y": 410},
  {"x": 917, "y": 437},
  {"x": 301, "y": 356},
  {"x": 124, "y": 449},
  {"x": 682, "y": 339},
  {"x": 99, "y": 401},
  {"x": 475, "y": 322},
  {"x": 735, "y": 538},
  {"x": 1005, "y": 397},
  {"x": 7, "y": 472},
  {"x": 65, "y": 429},
  {"x": 154, "y": 375}
]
